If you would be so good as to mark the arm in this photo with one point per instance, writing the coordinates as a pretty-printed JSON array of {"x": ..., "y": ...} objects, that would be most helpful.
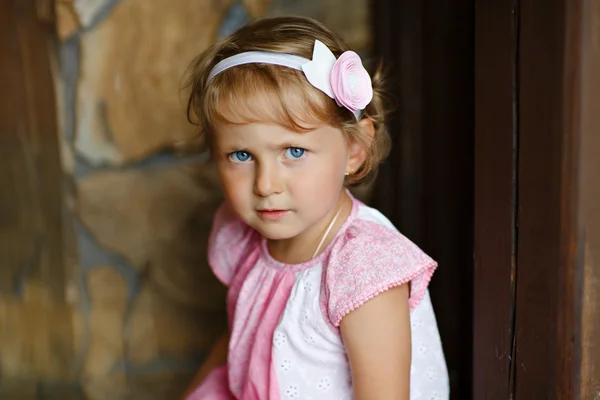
[
  {"x": 378, "y": 343},
  {"x": 216, "y": 358}
]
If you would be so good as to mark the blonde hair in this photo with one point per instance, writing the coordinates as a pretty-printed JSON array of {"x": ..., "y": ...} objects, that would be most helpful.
[{"x": 293, "y": 102}]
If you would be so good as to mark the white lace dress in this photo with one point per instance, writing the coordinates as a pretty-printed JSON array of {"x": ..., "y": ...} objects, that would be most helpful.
[{"x": 284, "y": 319}]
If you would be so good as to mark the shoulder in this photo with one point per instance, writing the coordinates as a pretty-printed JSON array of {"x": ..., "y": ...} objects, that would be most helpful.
[
  {"x": 371, "y": 242},
  {"x": 372, "y": 257},
  {"x": 229, "y": 240}
]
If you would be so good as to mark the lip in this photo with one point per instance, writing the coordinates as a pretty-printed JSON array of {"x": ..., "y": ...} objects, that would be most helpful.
[{"x": 272, "y": 214}]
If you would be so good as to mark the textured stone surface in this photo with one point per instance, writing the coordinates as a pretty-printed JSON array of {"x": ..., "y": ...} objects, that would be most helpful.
[
  {"x": 348, "y": 18},
  {"x": 90, "y": 11},
  {"x": 183, "y": 332},
  {"x": 36, "y": 293},
  {"x": 126, "y": 348},
  {"x": 67, "y": 22},
  {"x": 36, "y": 340},
  {"x": 79, "y": 326},
  {"x": 106, "y": 345},
  {"x": 145, "y": 305},
  {"x": 258, "y": 8},
  {"x": 159, "y": 386},
  {"x": 142, "y": 346},
  {"x": 20, "y": 389},
  {"x": 159, "y": 220},
  {"x": 106, "y": 289},
  {"x": 113, "y": 386},
  {"x": 157, "y": 325},
  {"x": 129, "y": 102}
]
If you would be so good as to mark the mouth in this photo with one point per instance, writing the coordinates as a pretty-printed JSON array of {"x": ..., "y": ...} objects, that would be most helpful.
[{"x": 272, "y": 214}]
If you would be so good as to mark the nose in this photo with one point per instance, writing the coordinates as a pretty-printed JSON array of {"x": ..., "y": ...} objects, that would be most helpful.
[{"x": 267, "y": 181}]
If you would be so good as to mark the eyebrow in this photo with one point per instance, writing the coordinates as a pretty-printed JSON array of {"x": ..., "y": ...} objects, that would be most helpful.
[
  {"x": 287, "y": 142},
  {"x": 230, "y": 148},
  {"x": 285, "y": 145}
]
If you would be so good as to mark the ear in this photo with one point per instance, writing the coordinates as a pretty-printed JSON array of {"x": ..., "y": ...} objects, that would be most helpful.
[{"x": 357, "y": 150}]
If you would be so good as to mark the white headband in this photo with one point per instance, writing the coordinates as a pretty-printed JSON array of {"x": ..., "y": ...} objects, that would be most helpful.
[{"x": 343, "y": 79}]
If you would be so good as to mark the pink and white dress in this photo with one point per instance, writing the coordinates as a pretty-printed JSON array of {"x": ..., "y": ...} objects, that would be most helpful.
[{"x": 284, "y": 319}]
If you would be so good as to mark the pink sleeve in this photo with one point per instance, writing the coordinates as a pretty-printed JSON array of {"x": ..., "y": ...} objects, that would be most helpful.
[
  {"x": 228, "y": 241},
  {"x": 371, "y": 260}
]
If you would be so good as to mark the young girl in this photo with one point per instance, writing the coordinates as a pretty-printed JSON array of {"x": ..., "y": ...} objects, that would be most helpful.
[{"x": 326, "y": 300}]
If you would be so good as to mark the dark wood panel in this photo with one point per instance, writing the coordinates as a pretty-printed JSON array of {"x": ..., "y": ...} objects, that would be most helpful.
[
  {"x": 398, "y": 41},
  {"x": 494, "y": 233},
  {"x": 425, "y": 188},
  {"x": 548, "y": 299},
  {"x": 30, "y": 173},
  {"x": 589, "y": 204},
  {"x": 446, "y": 199}
]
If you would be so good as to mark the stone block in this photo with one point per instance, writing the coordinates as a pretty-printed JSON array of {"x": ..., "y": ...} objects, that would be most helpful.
[
  {"x": 35, "y": 292},
  {"x": 67, "y": 22},
  {"x": 129, "y": 102},
  {"x": 142, "y": 346},
  {"x": 89, "y": 11},
  {"x": 102, "y": 379},
  {"x": 257, "y": 8},
  {"x": 107, "y": 289},
  {"x": 107, "y": 387},
  {"x": 142, "y": 343},
  {"x": 158, "y": 325},
  {"x": 18, "y": 389},
  {"x": 348, "y": 18},
  {"x": 159, "y": 220},
  {"x": 106, "y": 345},
  {"x": 79, "y": 329},
  {"x": 159, "y": 386},
  {"x": 100, "y": 338},
  {"x": 36, "y": 341}
]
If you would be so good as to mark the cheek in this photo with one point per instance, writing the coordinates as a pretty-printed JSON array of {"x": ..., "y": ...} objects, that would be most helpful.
[
  {"x": 319, "y": 179},
  {"x": 234, "y": 185}
]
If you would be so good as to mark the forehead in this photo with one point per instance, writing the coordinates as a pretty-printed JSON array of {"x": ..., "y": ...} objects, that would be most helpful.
[
  {"x": 269, "y": 94},
  {"x": 268, "y": 135}
]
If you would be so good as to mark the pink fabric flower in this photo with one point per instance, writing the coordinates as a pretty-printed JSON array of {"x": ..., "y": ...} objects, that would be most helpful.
[{"x": 350, "y": 82}]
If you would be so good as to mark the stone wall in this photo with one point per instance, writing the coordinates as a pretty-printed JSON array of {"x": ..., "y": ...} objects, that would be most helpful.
[{"x": 139, "y": 208}]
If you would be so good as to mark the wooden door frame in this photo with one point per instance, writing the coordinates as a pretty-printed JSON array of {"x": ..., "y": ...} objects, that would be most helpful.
[
  {"x": 529, "y": 270},
  {"x": 532, "y": 216},
  {"x": 495, "y": 197}
]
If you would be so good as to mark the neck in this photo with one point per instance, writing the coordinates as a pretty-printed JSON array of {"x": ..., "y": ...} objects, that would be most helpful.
[{"x": 301, "y": 248}]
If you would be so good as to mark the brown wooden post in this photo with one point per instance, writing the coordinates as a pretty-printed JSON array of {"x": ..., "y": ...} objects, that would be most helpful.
[
  {"x": 536, "y": 272},
  {"x": 589, "y": 203},
  {"x": 494, "y": 232},
  {"x": 548, "y": 296},
  {"x": 559, "y": 326}
]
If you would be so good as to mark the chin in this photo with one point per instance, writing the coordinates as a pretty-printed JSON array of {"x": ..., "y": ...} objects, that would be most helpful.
[{"x": 274, "y": 232}]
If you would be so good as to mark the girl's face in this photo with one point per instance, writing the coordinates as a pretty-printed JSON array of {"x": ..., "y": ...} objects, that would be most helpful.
[{"x": 281, "y": 182}]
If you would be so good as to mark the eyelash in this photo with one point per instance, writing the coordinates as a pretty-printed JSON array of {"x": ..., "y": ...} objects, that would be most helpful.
[
  {"x": 248, "y": 156},
  {"x": 290, "y": 149},
  {"x": 232, "y": 155}
]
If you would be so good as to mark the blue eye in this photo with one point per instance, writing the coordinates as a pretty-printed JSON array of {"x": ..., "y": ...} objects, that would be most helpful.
[
  {"x": 294, "y": 152},
  {"x": 240, "y": 156}
]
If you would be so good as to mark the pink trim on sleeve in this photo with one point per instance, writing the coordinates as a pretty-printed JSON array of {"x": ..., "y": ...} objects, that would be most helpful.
[{"x": 372, "y": 259}]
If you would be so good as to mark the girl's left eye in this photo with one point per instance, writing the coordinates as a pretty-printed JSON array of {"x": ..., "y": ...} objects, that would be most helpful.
[
  {"x": 240, "y": 156},
  {"x": 294, "y": 152}
]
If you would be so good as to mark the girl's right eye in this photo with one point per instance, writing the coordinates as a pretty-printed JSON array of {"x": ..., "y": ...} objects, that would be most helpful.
[{"x": 240, "y": 156}]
